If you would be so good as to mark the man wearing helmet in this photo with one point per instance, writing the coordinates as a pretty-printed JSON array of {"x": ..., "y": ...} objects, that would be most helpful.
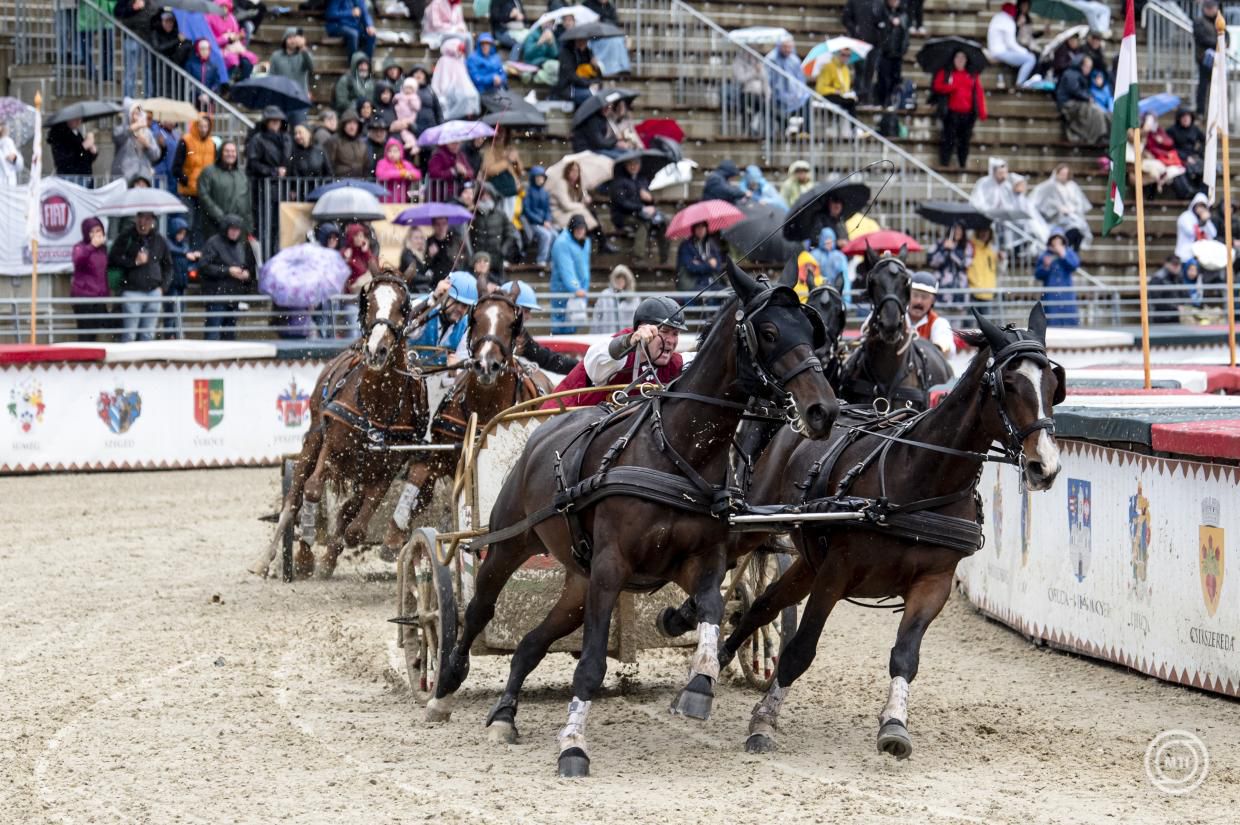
[
  {"x": 656, "y": 329},
  {"x": 441, "y": 316},
  {"x": 529, "y": 349},
  {"x": 922, "y": 317}
]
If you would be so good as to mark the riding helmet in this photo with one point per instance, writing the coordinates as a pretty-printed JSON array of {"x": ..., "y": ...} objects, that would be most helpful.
[
  {"x": 925, "y": 282},
  {"x": 464, "y": 288},
  {"x": 660, "y": 310},
  {"x": 525, "y": 296}
]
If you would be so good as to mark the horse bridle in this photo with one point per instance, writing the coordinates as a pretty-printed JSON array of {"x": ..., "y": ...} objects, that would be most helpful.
[
  {"x": 505, "y": 349},
  {"x": 397, "y": 330},
  {"x": 754, "y": 376},
  {"x": 1034, "y": 351}
]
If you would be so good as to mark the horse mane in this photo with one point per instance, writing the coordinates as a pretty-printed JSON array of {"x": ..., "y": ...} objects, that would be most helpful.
[{"x": 725, "y": 309}]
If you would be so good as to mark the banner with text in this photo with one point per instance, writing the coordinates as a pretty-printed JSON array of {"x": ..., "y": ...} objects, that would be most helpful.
[{"x": 62, "y": 208}]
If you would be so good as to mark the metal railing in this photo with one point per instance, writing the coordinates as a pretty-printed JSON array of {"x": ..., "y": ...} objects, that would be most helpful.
[
  {"x": 675, "y": 39},
  {"x": 1170, "y": 60},
  {"x": 99, "y": 58},
  {"x": 31, "y": 25},
  {"x": 255, "y": 317}
]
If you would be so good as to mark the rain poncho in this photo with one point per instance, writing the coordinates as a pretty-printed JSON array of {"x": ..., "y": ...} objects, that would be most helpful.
[
  {"x": 989, "y": 195},
  {"x": 452, "y": 85},
  {"x": 787, "y": 87},
  {"x": 833, "y": 264},
  {"x": 1065, "y": 205},
  {"x": 760, "y": 190},
  {"x": 441, "y": 19},
  {"x": 1055, "y": 273}
]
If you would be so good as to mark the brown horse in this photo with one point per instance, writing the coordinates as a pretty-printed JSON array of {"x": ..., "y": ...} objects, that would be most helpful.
[
  {"x": 906, "y": 479},
  {"x": 494, "y": 381},
  {"x": 639, "y": 498},
  {"x": 366, "y": 400}
]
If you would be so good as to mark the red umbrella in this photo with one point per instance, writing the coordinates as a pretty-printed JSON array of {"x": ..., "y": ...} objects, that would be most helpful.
[
  {"x": 647, "y": 130},
  {"x": 884, "y": 240},
  {"x": 717, "y": 215}
]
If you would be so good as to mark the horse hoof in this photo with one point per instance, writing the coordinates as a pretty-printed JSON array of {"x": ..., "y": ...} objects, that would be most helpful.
[
  {"x": 438, "y": 710},
  {"x": 670, "y": 623},
  {"x": 574, "y": 763},
  {"x": 388, "y": 554},
  {"x": 760, "y": 743},
  {"x": 695, "y": 699},
  {"x": 502, "y": 733},
  {"x": 893, "y": 739}
]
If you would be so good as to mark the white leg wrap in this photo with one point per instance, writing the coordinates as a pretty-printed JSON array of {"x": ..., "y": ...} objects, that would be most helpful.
[
  {"x": 405, "y": 505},
  {"x": 766, "y": 712},
  {"x": 308, "y": 522},
  {"x": 706, "y": 658},
  {"x": 573, "y": 735},
  {"x": 897, "y": 703}
]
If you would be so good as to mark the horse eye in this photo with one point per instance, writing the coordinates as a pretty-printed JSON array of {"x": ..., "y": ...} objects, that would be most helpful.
[{"x": 769, "y": 336}]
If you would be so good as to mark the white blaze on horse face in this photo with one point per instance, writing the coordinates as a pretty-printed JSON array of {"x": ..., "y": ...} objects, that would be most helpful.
[
  {"x": 1047, "y": 450},
  {"x": 491, "y": 315},
  {"x": 897, "y": 703},
  {"x": 385, "y": 297}
]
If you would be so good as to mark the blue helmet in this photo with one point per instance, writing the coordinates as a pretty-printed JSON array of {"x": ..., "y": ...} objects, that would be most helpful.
[
  {"x": 525, "y": 294},
  {"x": 464, "y": 288}
]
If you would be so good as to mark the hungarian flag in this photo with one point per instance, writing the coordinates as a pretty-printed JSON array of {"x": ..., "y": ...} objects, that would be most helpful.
[{"x": 1125, "y": 117}]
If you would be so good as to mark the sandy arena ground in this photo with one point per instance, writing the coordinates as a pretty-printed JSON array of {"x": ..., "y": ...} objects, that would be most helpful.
[{"x": 148, "y": 678}]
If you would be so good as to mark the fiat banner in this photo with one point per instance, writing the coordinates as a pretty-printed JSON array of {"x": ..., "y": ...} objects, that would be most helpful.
[
  {"x": 62, "y": 208},
  {"x": 143, "y": 416},
  {"x": 1126, "y": 559}
]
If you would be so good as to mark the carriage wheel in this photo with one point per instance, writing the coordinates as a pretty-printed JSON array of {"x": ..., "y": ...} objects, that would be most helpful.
[
  {"x": 759, "y": 654},
  {"x": 427, "y": 595},
  {"x": 287, "y": 540}
]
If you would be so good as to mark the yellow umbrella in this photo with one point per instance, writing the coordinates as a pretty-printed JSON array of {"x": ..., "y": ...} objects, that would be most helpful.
[{"x": 163, "y": 108}]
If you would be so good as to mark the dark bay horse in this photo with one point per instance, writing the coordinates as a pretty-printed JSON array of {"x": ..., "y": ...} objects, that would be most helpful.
[
  {"x": 930, "y": 469},
  {"x": 676, "y": 439},
  {"x": 365, "y": 400},
  {"x": 494, "y": 381},
  {"x": 892, "y": 362}
]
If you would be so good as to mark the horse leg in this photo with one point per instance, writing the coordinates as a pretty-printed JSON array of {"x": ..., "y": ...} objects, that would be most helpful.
[
  {"x": 306, "y": 460},
  {"x": 787, "y": 590},
  {"x": 409, "y": 503},
  {"x": 308, "y": 517},
  {"x": 370, "y": 498},
  {"x": 828, "y": 589},
  {"x": 677, "y": 621},
  {"x": 565, "y": 617},
  {"x": 497, "y": 568},
  {"x": 695, "y": 699},
  {"x": 922, "y": 604},
  {"x": 335, "y": 542},
  {"x": 608, "y": 573}
]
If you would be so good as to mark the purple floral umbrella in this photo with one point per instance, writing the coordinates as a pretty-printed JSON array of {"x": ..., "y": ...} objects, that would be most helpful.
[
  {"x": 424, "y": 213},
  {"x": 20, "y": 119},
  {"x": 455, "y": 131},
  {"x": 303, "y": 276}
]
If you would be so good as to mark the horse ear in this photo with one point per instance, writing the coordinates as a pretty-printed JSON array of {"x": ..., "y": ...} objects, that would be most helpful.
[
  {"x": 871, "y": 257},
  {"x": 1037, "y": 322},
  {"x": 745, "y": 286},
  {"x": 514, "y": 291},
  {"x": 789, "y": 276},
  {"x": 484, "y": 288},
  {"x": 903, "y": 253},
  {"x": 994, "y": 335}
]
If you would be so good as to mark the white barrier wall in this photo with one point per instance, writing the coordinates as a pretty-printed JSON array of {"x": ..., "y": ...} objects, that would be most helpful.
[
  {"x": 1124, "y": 559},
  {"x": 92, "y": 416}
]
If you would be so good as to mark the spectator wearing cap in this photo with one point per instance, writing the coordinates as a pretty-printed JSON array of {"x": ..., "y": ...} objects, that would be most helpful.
[
  {"x": 1094, "y": 47},
  {"x": 570, "y": 273},
  {"x": 719, "y": 184},
  {"x": 1164, "y": 297},
  {"x": 1205, "y": 39},
  {"x": 268, "y": 153},
  {"x": 293, "y": 60},
  {"x": 166, "y": 38},
  {"x": 145, "y": 262},
  {"x": 376, "y": 142},
  {"x": 351, "y": 20},
  {"x": 486, "y": 68},
  {"x": 922, "y": 317},
  {"x": 799, "y": 181},
  {"x": 1054, "y": 269},
  {"x": 227, "y": 269}
]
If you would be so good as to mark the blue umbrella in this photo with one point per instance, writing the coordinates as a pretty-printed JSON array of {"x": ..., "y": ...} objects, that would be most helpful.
[
  {"x": 424, "y": 213},
  {"x": 303, "y": 276},
  {"x": 194, "y": 27},
  {"x": 1159, "y": 104},
  {"x": 378, "y": 190},
  {"x": 271, "y": 90}
]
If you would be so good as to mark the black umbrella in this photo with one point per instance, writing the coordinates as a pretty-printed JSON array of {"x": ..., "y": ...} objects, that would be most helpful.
[
  {"x": 669, "y": 147},
  {"x": 810, "y": 212},
  {"x": 595, "y": 103},
  {"x": 590, "y": 31},
  {"x": 758, "y": 236},
  {"x": 938, "y": 52},
  {"x": 86, "y": 110},
  {"x": 652, "y": 161},
  {"x": 271, "y": 90},
  {"x": 948, "y": 213},
  {"x": 504, "y": 108}
]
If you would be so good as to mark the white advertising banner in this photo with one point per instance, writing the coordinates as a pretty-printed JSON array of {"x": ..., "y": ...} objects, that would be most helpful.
[
  {"x": 61, "y": 209},
  {"x": 152, "y": 415},
  {"x": 1124, "y": 559}
]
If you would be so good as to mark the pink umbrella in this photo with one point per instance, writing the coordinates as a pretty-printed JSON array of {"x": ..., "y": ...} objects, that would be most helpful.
[
  {"x": 884, "y": 240},
  {"x": 716, "y": 214}
]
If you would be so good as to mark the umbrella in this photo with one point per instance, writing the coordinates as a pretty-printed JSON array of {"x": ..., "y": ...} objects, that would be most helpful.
[
  {"x": 1159, "y": 104},
  {"x": 939, "y": 51},
  {"x": 1210, "y": 254},
  {"x": 349, "y": 203},
  {"x": 758, "y": 35},
  {"x": 580, "y": 14},
  {"x": 86, "y": 110},
  {"x": 716, "y": 214},
  {"x": 596, "y": 169},
  {"x": 503, "y": 100},
  {"x": 806, "y": 216},
  {"x": 455, "y": 131},
  {"x": 758, "y": 236},
  {"x": 142, "y": 199},
  {"x": 673, "y": 174},
  {"x": 948, "y": 213},
  {"x": 669, "y": 147},
  {"x": 652, "y": 162},
  {"x": 271, "y": 90},
  {"x": 517, "y": 119},
  {"x": 19, "y": 117},
  {"x": 376, "y": 189},
  {"x": 1056, "y": 10},
  {"x": 303, "y": 276},
  {"x": 884, "y": 240},
  {"x": 195, "y": 6},
  {"x": 424, "y": 213},
  {"x": 162, "y": 108},
  {"x": 651, "y": 128},
  {"x": 594, "y": 104},
  {"x": 592, "y": 31},
  {"x": 816, "y": 59},
  {"x": 1048, "y": 51}
]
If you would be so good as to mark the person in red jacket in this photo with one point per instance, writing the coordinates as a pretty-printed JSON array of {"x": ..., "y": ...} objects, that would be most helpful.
[
  {"x": 965, "y": 105},
  {"x": 657, "y": 323}
]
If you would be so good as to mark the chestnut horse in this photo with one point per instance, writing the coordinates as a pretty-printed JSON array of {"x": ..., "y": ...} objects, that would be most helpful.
[{"x": 910, "y": 477}]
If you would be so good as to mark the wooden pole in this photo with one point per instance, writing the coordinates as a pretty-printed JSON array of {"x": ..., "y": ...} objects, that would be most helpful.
[
  {"x": 1135, "y": 134},
  {"x": 1231, "y": 277},
  {"x": 34, "y": 244}
]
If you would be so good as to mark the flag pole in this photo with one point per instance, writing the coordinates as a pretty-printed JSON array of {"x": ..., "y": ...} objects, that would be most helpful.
[
  {"x": 1221, "y": 28},
  {"x": 1143, "y": 287},
  {"x": 34, "y": 243}
]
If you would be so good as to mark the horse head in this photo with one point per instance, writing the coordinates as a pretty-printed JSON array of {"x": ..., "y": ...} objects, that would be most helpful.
[
  {"x": 494, "y": 326},
  {"x": 1025, "y": 386},
  {"x": 829, "y": 304},
  {"x": 888, "y": 285},
  {"x": 776, "y": 340},
  {"x": 387, "y": 306}
]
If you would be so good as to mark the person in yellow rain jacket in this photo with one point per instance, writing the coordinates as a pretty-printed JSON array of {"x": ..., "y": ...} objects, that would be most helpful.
[{"x": 835, "y": 82}]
